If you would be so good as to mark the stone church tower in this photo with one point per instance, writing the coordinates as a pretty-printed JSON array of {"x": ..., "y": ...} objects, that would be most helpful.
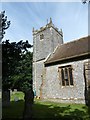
[{"x": 45, "y": 40}]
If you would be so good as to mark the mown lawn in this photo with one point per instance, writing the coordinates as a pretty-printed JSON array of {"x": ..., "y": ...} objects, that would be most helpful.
[
  {"x": 15, "y": 110},
  {"x": 47, "y": 110},
  {"x": 17, "y": 95},
  {"x": 57, "y": 111}
]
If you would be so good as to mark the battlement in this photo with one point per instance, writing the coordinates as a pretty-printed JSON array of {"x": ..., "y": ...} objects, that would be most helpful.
[{"x": 48, "y": 25}]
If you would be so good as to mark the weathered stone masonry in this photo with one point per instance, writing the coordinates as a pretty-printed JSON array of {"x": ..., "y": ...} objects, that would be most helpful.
[
  {"x": 75, "y": 93},
  {"x": 73, "y": 59},
  {"x": 41, "y": 49}
]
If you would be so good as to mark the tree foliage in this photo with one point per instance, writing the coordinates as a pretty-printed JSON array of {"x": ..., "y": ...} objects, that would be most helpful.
[
  {"x": 16, "y": 65},
  {"x": 85, "y": 1},
  {"x": 23, "y": 73},
  {"x": 4, "y": 24}
]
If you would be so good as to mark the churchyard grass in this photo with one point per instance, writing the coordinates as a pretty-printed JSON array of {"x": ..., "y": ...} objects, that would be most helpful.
[
  {"x": 15, "y": 109},
  {"x": 46, "y": 110},
  {"x": 60, "y": 111},
  {"x": 18, "y": 95}
]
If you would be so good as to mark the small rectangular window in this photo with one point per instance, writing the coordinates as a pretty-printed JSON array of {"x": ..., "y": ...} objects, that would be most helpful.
[
  {"x": 66, "y": 75},
  {"x": 41, "y": 37}
]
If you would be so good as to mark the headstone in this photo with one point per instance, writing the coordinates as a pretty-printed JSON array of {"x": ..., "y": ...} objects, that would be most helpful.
[{"x": 16, "y": 98}]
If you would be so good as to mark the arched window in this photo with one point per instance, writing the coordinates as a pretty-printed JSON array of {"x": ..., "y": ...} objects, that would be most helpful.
[{"x": 66, "y": 75}]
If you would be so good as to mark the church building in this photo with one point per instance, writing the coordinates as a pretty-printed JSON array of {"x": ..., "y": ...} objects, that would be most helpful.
[{"x": 61, "y": 71}]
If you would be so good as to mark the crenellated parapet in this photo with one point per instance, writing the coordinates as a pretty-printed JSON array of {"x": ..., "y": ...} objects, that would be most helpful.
[{"x": 48, "y": 25}]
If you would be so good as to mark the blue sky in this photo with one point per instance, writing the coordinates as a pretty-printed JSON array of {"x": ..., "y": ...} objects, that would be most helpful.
[{"x": 72, "y": 17}]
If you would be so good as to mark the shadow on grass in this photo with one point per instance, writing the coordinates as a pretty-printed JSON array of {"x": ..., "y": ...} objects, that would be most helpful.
[
  {"x": 14, "y": 111},
  {"x": 46, "y": 112},
  {"x": 51, "y": 112}
]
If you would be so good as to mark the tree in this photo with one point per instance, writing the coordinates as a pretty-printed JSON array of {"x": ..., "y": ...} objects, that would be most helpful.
[
  {"x": 4, "y": 24},
  {"x": 23, "y": 82},
  {"x": 17, "y": 71},
  {"x": 14, "y": 68},
  {"x": 85, "y": 1},
  {"x": 11, "y": 55}
]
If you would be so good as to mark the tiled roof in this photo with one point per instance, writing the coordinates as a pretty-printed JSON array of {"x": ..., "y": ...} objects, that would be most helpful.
[{"x": 70, "y": 50}]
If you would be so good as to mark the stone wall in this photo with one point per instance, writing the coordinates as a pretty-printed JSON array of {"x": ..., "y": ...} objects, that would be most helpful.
[
  {"x": 41, "y": 49},
  {"x": 54, "y": 90},
  {"x": 38, "y": 68}
]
